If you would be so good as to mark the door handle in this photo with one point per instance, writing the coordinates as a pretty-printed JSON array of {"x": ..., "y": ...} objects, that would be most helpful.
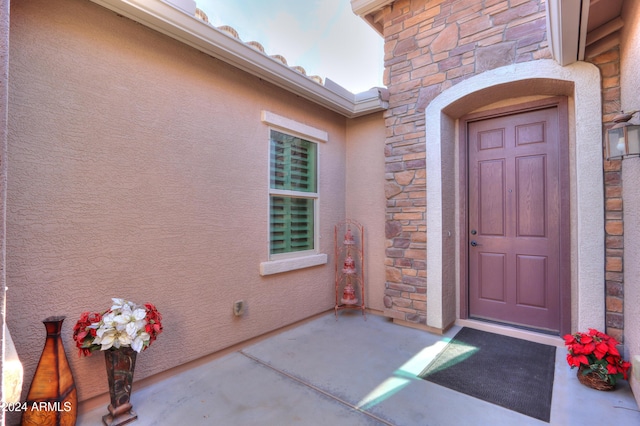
[{"x": 474, "y": 243}]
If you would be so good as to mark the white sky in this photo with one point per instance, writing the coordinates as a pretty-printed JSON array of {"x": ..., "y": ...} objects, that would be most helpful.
[{"x": 323, "y": 36}]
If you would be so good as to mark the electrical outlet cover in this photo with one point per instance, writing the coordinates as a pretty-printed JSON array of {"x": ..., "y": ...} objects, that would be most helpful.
[{"x": 238, "y": 307}]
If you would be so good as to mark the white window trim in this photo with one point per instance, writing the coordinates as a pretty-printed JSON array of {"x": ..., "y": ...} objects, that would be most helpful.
[
  {"x": 285, "y": 265},
  {"x": 288, "y": 125},
  {"x": 297, "y": 260}
]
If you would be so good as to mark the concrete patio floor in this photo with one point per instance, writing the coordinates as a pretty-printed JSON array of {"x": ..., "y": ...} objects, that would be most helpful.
[{"x": 350, "y": 371}]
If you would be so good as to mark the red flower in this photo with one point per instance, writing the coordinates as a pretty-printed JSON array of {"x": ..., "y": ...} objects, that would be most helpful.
[
  {"x": 154, "y": 323},
  {"x": 575, "y": 361},
  {"x": 613, "y": 350},
  {"x": 597, "y": 352},
  {"x": 82, "y": 335},
  {"x": 601, "y": 350},
  {"x": 625, "y": 366},
  {"x": 585, "y": 338}
]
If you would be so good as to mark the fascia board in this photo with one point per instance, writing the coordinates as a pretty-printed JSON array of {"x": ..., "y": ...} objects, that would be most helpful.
[
  {"x": 566, "y": 23},
  {"x": 173, "y": 22},
  {"x": 371, "y": 99},
  {"x": 582, "y": 37},
  {"x": 365, "y": 7},
  {"x": 369, "y": 106}
]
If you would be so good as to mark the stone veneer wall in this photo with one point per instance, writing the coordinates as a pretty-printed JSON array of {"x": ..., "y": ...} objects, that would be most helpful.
[
  {"x": 609, "y": 65},
  {"x": 431, "y": 45}
]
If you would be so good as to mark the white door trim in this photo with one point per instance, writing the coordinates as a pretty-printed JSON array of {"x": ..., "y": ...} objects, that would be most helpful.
[{"x": 580, "y": 82}]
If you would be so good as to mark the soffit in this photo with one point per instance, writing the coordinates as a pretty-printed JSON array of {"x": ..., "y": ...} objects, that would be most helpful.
[
  {"x": 185, "y": 27},
  {"x": 369, "y": 10},
  {"x": 581, "y": 29}
]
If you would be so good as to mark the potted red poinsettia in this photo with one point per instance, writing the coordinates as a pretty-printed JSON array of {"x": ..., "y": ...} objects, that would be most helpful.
[{"x": 596, "y": 355}]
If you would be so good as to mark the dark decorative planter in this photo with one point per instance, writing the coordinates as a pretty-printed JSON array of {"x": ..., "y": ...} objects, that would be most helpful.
[
  {"x": 593, "y": 381},
  {"x": 52, "y": 398},
  {"x": 120, "y": 366}
]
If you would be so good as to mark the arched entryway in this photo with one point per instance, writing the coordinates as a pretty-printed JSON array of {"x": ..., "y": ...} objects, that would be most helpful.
[{"x": 579, "y": 83}]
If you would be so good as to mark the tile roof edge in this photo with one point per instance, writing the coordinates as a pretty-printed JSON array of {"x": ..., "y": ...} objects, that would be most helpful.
[{"x": 178, "y": 23}]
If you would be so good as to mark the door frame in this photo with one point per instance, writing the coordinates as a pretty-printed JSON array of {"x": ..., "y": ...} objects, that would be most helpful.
[{"x": 561, "y": 103}]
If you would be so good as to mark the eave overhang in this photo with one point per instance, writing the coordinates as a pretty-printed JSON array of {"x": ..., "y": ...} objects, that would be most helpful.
[
  {"x": 367, "y": 9},
  {"x": 567, "y": 29},
  {"x": 167, "y": 19},
  {"x": 576, "y": 29}
]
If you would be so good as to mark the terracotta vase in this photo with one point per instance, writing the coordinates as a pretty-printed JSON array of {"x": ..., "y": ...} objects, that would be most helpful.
[
  {"x": 120, "y": 364},
  {"x": 52, "y": 397}
]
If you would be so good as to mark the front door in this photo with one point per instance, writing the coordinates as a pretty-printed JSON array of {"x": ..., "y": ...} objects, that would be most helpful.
[{"x": 514, "y": 219}]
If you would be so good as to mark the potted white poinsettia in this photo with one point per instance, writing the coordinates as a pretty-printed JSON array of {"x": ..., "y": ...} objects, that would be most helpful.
[
  {"x": 120, "y": 333},
  {"x": 125, "y": 324}
]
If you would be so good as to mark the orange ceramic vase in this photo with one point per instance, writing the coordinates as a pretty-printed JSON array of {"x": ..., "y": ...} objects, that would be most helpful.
[{"x": 52, "y": 398}]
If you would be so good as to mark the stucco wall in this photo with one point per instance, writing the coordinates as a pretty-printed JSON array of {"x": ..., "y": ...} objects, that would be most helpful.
[
  {"x": 4, "y": 68},
  {"x": 138, "y": 169},
  {"x": 365, "y": 197},
  {"x": 630, "y": 100}
]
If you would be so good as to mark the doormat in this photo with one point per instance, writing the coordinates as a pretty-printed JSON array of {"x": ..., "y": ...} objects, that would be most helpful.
[{"x": 509, "y": 372}]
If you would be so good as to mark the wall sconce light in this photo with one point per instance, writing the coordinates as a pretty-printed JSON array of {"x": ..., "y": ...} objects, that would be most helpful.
[{"x": 623, "y": 138}]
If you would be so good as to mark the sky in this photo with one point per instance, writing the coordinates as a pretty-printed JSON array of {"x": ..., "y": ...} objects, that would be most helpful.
[{"x": 322, "y": 36}]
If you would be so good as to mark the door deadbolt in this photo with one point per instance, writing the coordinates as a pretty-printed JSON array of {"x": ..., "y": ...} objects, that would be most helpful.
[{"x": 474, "y": 232}]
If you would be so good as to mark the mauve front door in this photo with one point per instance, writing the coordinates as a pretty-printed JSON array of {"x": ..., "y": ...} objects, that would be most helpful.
[{"x": 514, "y": 219}]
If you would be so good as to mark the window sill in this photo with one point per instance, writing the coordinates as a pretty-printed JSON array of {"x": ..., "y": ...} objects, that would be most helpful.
[{"x": 284, "y": 265}]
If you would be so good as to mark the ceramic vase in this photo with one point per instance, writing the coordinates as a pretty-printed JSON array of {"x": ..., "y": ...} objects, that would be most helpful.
[{"x": 52, "y": 398}]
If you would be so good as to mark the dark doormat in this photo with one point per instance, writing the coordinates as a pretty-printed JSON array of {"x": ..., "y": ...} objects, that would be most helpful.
[{"x": 513, "y": 373}]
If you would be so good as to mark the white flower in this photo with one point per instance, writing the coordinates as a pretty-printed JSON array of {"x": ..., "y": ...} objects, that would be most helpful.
[
  {"x": 139, "y": 314},
  {"x": 105, "y": 338},
  {"x": 138, "y": 343},
  {"x": 123, "y": 340},
  {"x": 118, "y": 304},
  {"x": 122, "y": 326}
]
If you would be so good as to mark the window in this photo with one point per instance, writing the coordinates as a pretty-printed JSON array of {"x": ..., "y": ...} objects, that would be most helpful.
[{"x": 292, "y": 194}]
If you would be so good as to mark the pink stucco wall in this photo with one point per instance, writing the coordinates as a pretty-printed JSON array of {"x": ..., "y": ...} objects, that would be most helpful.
[
  {"x": 365, "y": 197},
  {"x": 138, "y": 169},
  {"x": 630, "y": 100},
  {"x": 4, "y": 66}
]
